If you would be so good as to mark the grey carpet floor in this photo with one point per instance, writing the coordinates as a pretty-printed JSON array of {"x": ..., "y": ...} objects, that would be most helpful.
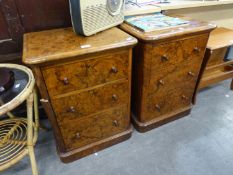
[{"x": 199, "y": 144}]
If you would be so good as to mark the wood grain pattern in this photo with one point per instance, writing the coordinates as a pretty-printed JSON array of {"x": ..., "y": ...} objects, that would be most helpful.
[
  {"x": 168, "y": 79},
  {"x": 170, "y": 90},
  {"x": 72, "y": 155},
  {"x": 86, "y": 73},
  {"x": 166, "y": 66},
  {"x": 171, "y": 74},
  {"x": 194, "y": 27},
  {"x": 47, "y": 106},
  {"x": 45, "y": 46},
  {"x": 86, "y": 90},
  {"x": 165, "y": 103},
  {"x": 176, "y": 52},
  {"x": 91, "y": 101},
  {"x": 217, "y": 74},
  {"x": 217, "y": 68},
  {"x": 219, "y": 38},
  {"x": 11, "y": 29},
  {"x": 12, "y": 17},
  {"x": 40, "y": 15},
  {"x": 4, "y": 31},
  {"x": 79, "y": 132},
  {"x": 216, "y": 57},
  {"x": 161, "y": 120},
  {"x": 183, "y": 75}
]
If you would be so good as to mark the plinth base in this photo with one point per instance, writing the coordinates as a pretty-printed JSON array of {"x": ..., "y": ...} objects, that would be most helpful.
[
  {"x": 147, "y": 126},
  {"x": 70, "y": 156}
]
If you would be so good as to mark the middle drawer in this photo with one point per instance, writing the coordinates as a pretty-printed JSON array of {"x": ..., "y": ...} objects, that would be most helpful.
[
  {"x": 183, "y": 75},
  {"x": 91, "y": 101}
]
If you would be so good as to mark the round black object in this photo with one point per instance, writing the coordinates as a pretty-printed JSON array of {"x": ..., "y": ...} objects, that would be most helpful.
[{"x": 6, "y": 79}]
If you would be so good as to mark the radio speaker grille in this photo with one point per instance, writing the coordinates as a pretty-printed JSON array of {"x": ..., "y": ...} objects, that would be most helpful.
[{"x": 97, "y": 16}]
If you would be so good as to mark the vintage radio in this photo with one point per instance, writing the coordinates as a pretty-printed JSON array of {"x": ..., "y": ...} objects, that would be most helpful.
[{"x": 92, "y": 16}]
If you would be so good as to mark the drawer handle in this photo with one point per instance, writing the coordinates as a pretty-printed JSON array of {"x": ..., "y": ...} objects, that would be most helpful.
[
  {"x": 65, "y": 81},
  {"x": 161, "y": 82},
  {"x": 185, "y": 97},
  {"x": 114, "y": 97},
  {"x": 191, "y": 74},
  {"x": 78, "y": 136},
  {"x": 115, "y": 123},
  {"x": 114, "y": 69},
  {"x": 71, "y": 109},
  {"x": 197, "y": 49},
  {"x": 157, "y": 107},
  {"x": 88, "y": 66},
  {"x": 44, "y": 100},
  {"x": 164, "y": 58}
]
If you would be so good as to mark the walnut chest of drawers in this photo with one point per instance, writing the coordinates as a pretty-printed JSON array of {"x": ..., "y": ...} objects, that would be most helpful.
[
  {"x": 167, "y": 66},
  {"x": 85, "y": 85}
]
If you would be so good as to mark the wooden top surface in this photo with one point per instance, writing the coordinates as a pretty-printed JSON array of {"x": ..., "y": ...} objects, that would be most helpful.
[
  {"x": 192, "y": 27},
  {"x": 50, "y": 45},
  {"x": 219, "y": 38}
]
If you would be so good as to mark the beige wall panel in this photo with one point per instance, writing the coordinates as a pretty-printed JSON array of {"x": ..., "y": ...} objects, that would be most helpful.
[{"x": 222, "y": 15}]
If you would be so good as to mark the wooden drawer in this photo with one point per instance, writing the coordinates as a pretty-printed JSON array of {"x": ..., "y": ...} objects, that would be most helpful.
[
  {"x": 157, "y": 105},
  {"x": 91, "y": 101},
  {"x": 78, "y": 132},
  {"x": 174, "y": 72},
  {"x": 183, "y": 75},
  {"x": 86, "y": 73},
  {"x": 174, "y": 53}
]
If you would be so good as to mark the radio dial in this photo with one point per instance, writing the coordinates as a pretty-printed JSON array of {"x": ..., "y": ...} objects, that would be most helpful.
[{"x": 114, "y": 6}]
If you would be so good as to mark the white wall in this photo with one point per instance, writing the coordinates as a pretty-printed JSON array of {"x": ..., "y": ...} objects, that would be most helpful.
[{"x": 222, "y": 15}]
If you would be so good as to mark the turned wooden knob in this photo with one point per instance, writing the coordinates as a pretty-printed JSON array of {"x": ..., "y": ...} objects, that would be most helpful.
[
  {"x": 157, "y": 107},
  {"x": 191, "y": 74},
  {"x": 71, "y": 109},
  {"x": 185, "y": 97},
  {"x": 161, "y": 82},
  {"x": 114, "y": 97},
  {"x": 65, "y": 81},
  {"x": 114, "y": 69},
  {"x": 88, "y": 65},
  {"x": 164, "y": 58},
  {"x": 77, "y": 136},
  {"x": 197, "y": 49},
  {"x": 115, "y": 123}
]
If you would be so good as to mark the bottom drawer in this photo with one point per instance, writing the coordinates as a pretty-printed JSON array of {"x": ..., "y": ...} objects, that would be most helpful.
[
  {"x": 158, "y": 105},
  {"x": 83, "y": 131}
]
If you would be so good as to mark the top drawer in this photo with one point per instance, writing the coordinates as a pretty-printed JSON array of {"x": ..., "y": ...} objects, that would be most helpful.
[
  {"x": 82, "y": 74},
  {"x": 173, "y": 53}
]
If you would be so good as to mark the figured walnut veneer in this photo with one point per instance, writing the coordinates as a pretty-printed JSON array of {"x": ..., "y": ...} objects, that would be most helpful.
[
  {"x": 86, "y": 73},
  {"x": 51, "y": 45},
  {"x": 91, "y": 101},
  {"x": 85, "y": 84},
  {"x": 167, "y": 66},
  {"x": 79, "y": 132}
]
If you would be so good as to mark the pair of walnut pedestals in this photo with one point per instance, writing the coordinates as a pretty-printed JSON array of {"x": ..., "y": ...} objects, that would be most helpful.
[{"x": 85, "y": 82}]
